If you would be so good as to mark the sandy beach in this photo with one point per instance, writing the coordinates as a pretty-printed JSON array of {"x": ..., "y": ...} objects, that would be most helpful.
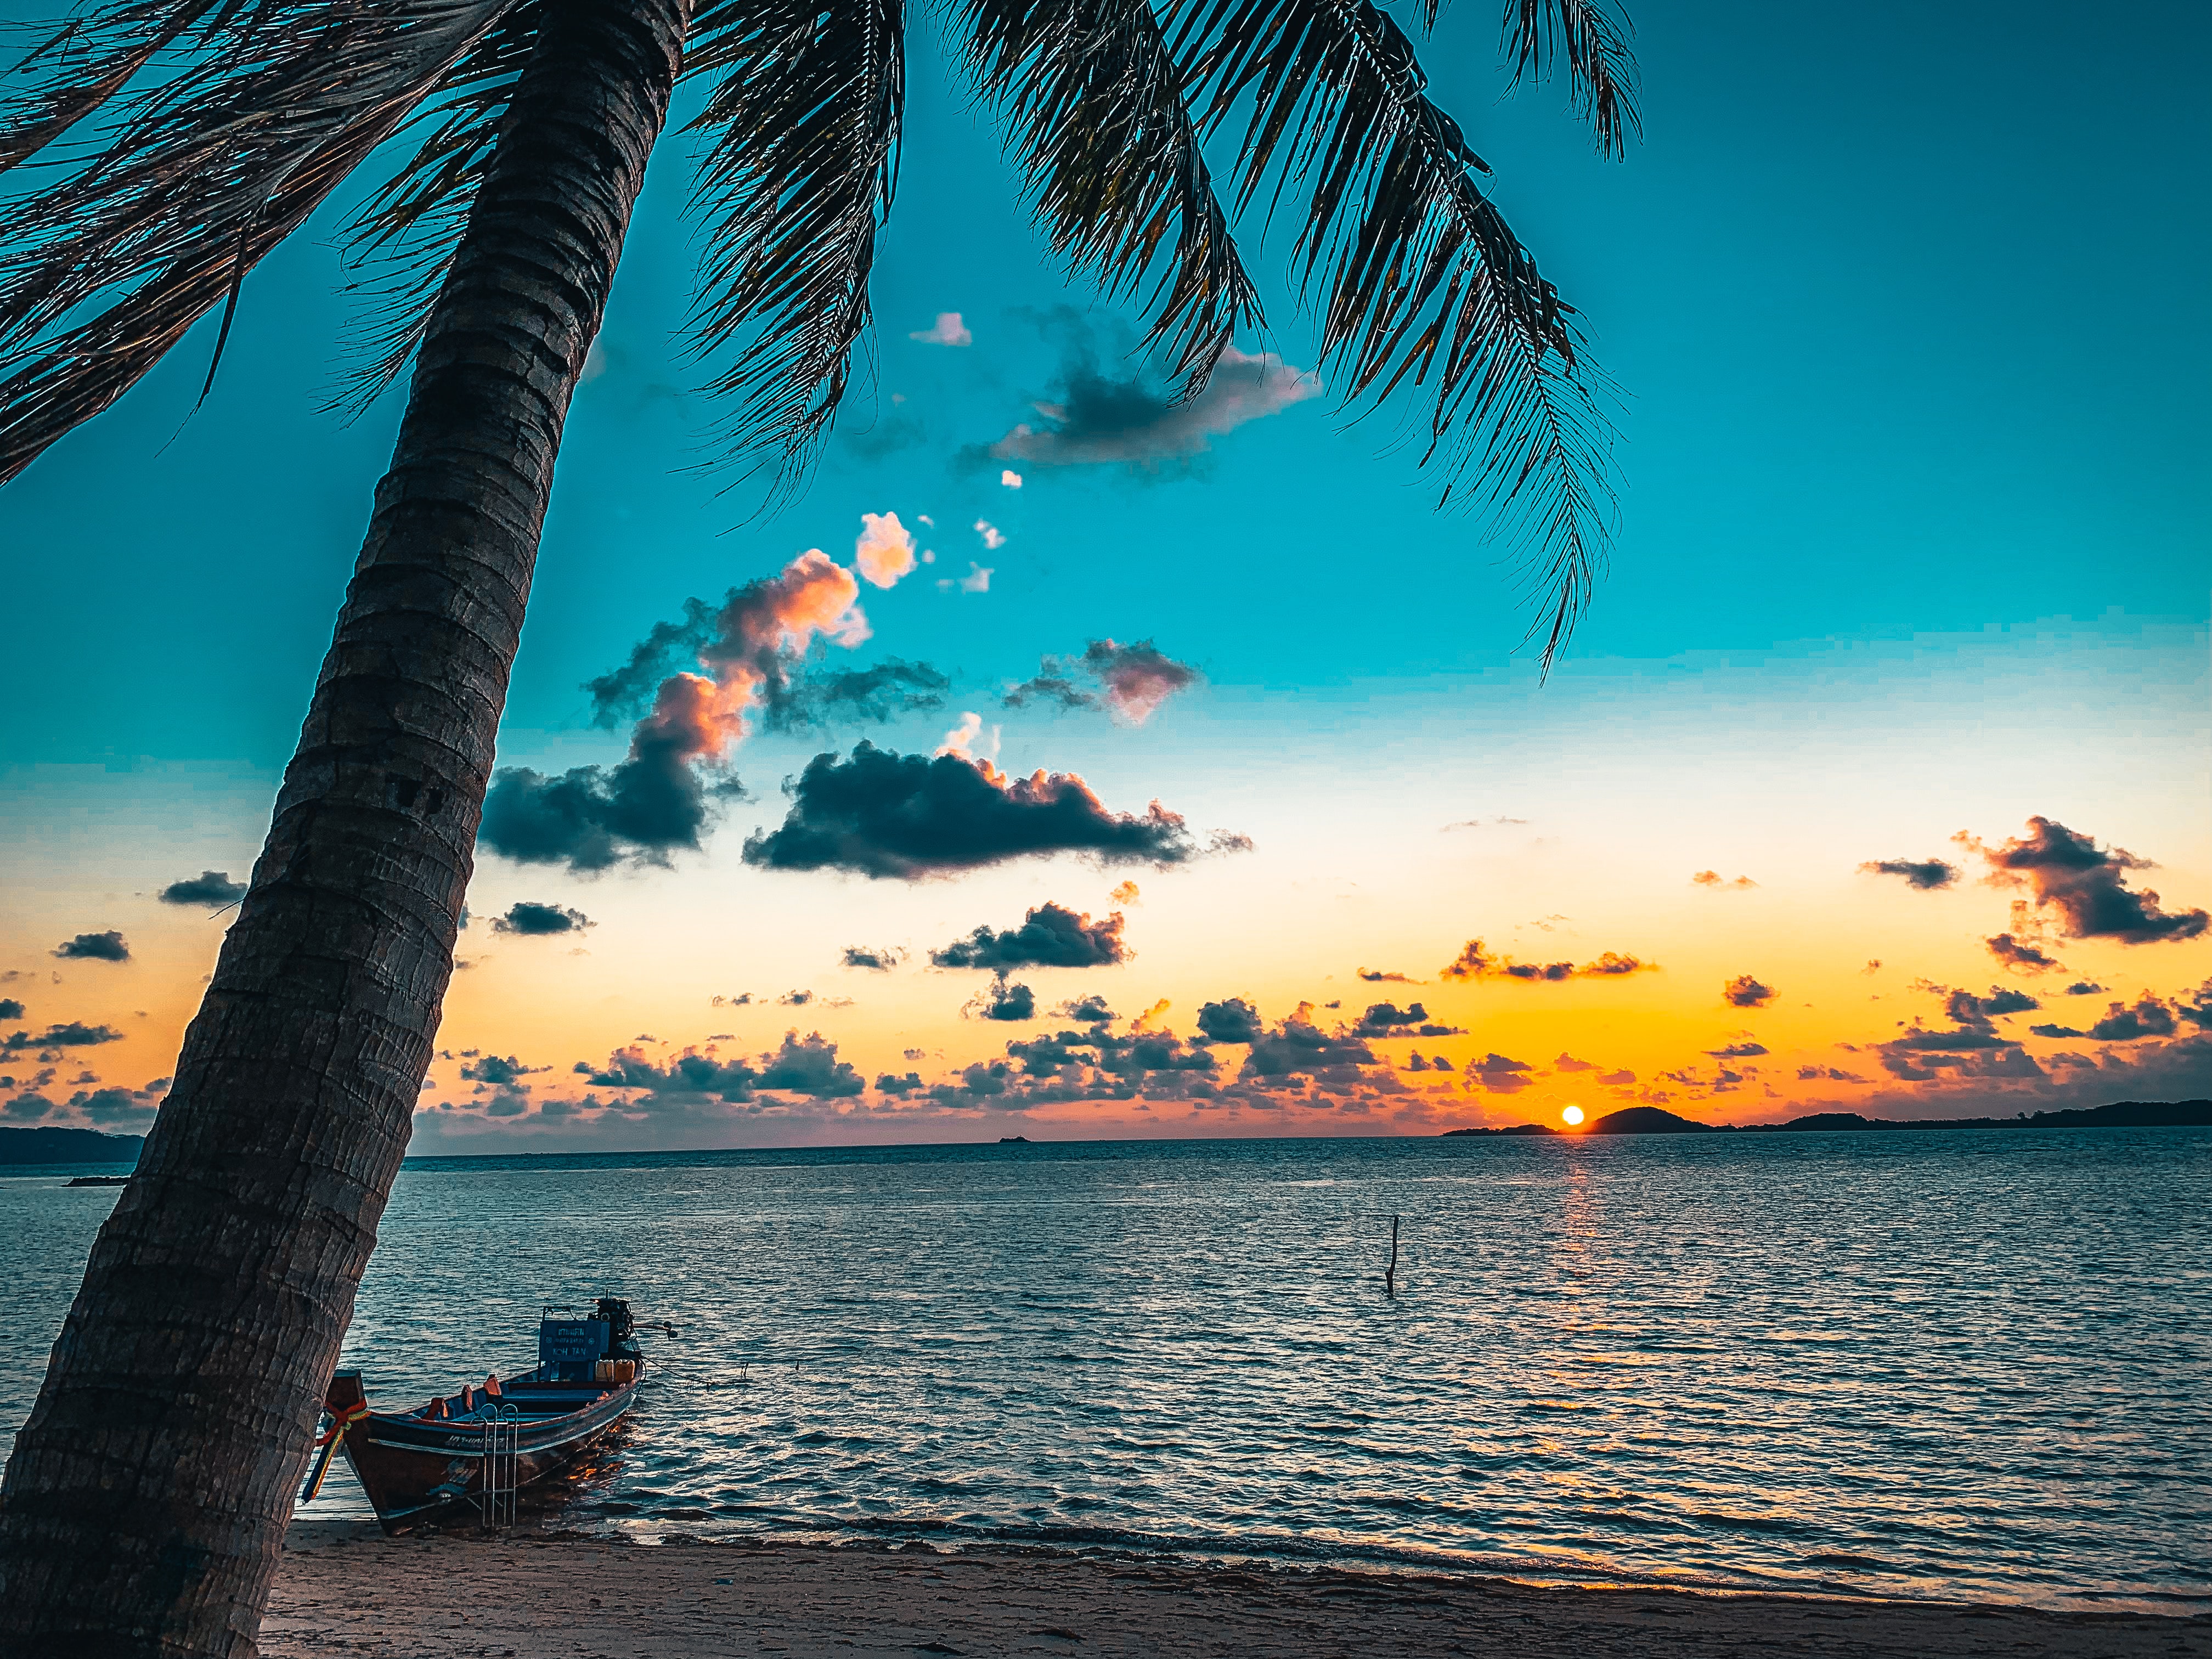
[{"x": 346, "y": 1589}]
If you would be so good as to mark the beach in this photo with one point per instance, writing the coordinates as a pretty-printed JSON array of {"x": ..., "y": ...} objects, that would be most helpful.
[{"x": 346, "y": 1588}]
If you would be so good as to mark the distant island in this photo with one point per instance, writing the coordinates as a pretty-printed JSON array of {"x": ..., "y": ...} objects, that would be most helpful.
[
  {"x": 2120, "y": 1115},
  {"x": 51, "y": 1145}
]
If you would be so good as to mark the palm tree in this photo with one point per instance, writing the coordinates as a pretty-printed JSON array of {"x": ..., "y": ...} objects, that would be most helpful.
[{"x": 146, "y": 1496}]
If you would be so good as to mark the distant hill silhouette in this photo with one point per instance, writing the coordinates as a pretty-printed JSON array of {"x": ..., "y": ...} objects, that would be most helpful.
[
  {"x": 2120, "y": 1115},
  {"x": 51, "y": 1145}
]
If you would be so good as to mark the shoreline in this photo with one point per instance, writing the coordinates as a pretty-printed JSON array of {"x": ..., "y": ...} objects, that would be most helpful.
[{"x": 571, "y": 1596}]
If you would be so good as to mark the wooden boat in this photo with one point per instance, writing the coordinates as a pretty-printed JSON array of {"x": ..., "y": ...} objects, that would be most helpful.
[{"x": 477, "y": 1447}]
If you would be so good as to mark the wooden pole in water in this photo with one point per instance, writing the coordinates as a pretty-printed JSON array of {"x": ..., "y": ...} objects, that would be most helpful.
[{"x": 1390, "y": 1273}]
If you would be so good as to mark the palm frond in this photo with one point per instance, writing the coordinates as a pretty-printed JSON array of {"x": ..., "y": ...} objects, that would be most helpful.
[
  {"x": 1425, "y": 280},
  {"x": 82, "y": 64},
  {"x": 801, "y": 172},
  {"x": 1106, "y": 140},
  {"x": 1600, "y": 70},
  {"x": 410, "y": 228},
  {"x": 202, "y": 176}
]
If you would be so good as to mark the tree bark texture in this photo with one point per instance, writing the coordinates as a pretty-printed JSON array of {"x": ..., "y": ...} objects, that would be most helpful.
[{"x": 145, "y": 1505}]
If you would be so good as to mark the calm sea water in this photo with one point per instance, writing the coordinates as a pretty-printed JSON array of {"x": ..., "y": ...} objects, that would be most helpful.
[{"x": 1940, "y": 1362}]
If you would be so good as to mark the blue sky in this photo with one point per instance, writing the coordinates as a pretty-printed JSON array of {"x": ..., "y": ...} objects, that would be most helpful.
[{"x": 1905, "y": 308}]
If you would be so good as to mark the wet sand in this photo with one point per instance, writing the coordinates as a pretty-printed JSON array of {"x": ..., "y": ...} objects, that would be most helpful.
[{"x": 346, "y": 1589}]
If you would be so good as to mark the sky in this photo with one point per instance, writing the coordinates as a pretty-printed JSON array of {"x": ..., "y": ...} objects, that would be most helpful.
[{"x": 1904, "y": 312}]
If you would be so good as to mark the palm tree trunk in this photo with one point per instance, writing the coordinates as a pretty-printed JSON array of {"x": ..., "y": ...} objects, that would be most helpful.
[{"x": 145, "y": 1505}]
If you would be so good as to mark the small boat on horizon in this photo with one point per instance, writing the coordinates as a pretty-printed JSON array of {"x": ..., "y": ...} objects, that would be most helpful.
[{"x": 480, "y": 1446}]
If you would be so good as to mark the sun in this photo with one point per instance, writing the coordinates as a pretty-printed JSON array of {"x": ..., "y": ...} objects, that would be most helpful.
[{"x": 1573, "y": 1115}]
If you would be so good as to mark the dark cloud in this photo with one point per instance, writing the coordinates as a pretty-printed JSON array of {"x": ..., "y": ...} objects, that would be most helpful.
[
  {"x": 209, "y": 887},
  {"x": 2054, "y": 1030},
  {"x": 1474, "y": 962},
  {"x": 1087, "y": 1011},
  {"x": 1381, "y": 978},
  {"x": 1107, "y": 1059},
  {"x": 2197, "y": 1005},
  {"x": 890, "y": 690},
  {"x": 73, "y": 1035},
  {"x": 1966, "y": 1009},
  {"x": 1738, "y": 1051},
  {"x": 1132, "y": 680},
  {"x": 1827, "y": 1073},
  {"x": 94, "y": 947},
  {"x": 1050, "y": 936},
  {"x": 2021, "y": 957},
  {"x": 10, "y": 1009},
  {"x": 907, "y": 1084},
  {"x": 494, "y": 1069},
  {"x": 534, "y": 920},
  {"x": 1234, "y": 1020},
  {"x": 2088, "y": 885},
  {"x": 1714, "y": 878},
  {"x": 754, "y": 648},
  {"x": 875, "y": 961},
  {"x": 1925, "y": 874},
  {"x": 1567, "y": 1062},
  {"x": 809, "y": 1066},
  {"x": 1091, "y": 419},
  {"x": 1745, "y": 992},
  {"x": 885, "y": 814},
  {"x": 2149, "y": 1017},
  {"x": 743, "y": 1000},
  {"x": 1498, "y": 1074},
  {"x": 2082, "y": 987},
  {"x": 1619, "y": 1079},
  {"x": 1388, "y": 1019},
  {"x": 795, "y": 998},
  {"x": 1007, "y": 1002},
  {"x": 802, "y": 1066},
  {"x": 1298, "y": 1047}
]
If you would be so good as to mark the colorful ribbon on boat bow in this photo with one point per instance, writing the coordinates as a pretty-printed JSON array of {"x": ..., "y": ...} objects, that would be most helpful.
[{"x": 326, "y": 1444}]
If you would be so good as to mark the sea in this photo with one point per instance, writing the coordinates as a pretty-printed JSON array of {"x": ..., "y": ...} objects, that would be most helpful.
[{"x": 1927, "y": 1363}]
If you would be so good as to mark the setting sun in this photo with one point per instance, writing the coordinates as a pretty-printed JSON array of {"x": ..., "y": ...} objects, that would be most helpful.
[{"x": 1573, "y": 1115}]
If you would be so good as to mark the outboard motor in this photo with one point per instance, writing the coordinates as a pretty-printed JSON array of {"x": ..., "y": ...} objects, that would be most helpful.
[{"x": 621, "y": 1329}]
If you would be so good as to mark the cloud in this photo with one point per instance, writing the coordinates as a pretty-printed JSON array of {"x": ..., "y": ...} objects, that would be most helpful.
[
  {"x": 2021, "y": 957},
  {"x": 1378, "y": 977},
  {"x": 1092, "y": 420},
  {"x": 2088, "y": 885},
  {"x": 879, "y": 694},
  {"x": 1388, "y": 1019},
  {"x": 94, "y": 947},
  {"x": 1126, "y": 892},
  {"x": 1234, "y": 1020},
  {"x": 1010, "y": 479},
  {"x": 1738, "y": 1051},
  {"x": 73, "y": 1035},
  {"x": 884, "y": 550},
  {"x": 2082, "y": 987},
  {"x": 1567, "y": 1062},
  {"x": 885, "y": 814},
  {"x": 875, "y": 961},
  {"x": 978, "y": 579},
  {"x": 806, "y": 1066},
  {"x": 1714, "y": 878},
  {"x": 1131, "y": 680},
  {"x": 1924, "y": 874},
  {"x": 209, "y": 887},
  {"x": 1474, "y": 962},
  {"x": 1967, "y": 1009},
  {"x": 655, "y": 801},
  {"x": 1050, "y": 936},
  {"x": 2054, "y": 1030},
  {"x": 1086, "y": 1011},
  {"x": 2149, "y": 1017},
  {"x": 1619, "y": 1079},
  {"x": 1745, "y": 992},
  {"x": 1498, "y": 1074},
  {"x": 1007, "y": 1002},
  {"x": 533, "y": 920},
  {"x": 10, "y": 1009},
  {"x": 499, "y": 1070},
  {"x": 947, "y": 330},
  {"x": 1298, "y": 1047}
]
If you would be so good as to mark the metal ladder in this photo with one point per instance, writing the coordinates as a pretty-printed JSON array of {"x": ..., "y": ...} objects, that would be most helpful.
[{"x": 502, "y": 1466}]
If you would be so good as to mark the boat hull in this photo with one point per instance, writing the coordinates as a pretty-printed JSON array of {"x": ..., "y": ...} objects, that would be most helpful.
[{"x": 414, "y": 1467}]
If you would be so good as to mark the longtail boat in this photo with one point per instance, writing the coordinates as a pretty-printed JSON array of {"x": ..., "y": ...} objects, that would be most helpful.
[{"x": 479, "y": 1446}]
